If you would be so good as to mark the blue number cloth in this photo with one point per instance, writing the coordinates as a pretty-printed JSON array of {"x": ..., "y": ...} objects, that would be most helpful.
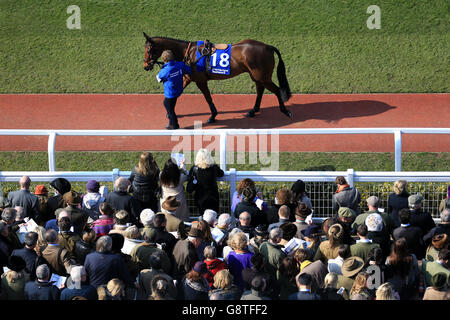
[{"x": 219, "y": 61}]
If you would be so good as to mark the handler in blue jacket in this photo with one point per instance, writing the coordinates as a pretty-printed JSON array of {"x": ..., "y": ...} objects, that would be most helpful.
[{"x": 171, "y": 75}]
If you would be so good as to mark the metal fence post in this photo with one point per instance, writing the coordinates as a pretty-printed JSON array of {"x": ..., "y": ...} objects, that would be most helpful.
[
  {"x": 398, "y": 150},
  {"x": 351, "y": 177},
  {"x": 115, "y": 175},
  {"x": 51, "y": 151},
  {"x": 232, "y": 184},
  {"x": 223, "y": 150}
]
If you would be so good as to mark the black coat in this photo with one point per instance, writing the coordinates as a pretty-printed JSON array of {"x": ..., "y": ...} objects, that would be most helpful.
[
  {"x": 383, "y": 239},
  {"x": 414, "y": 241},
  {"x": 82, "y": 249},
  {"x": 125, "y": 201},
  {"x": 272, "y": 213},
  {"x": 165, "y": 239},
  {"x": 206, "y": 194},
  {"x": 395, "y": 204},
  {"x": 144, "y": 189},
  {"x": 422, "y": 219},
  {"x": 53, "y": 204},
  {"x": 439, "y": 229},
  {"x": 29, "y": 256},
  {"x": 257, "y": 216}
]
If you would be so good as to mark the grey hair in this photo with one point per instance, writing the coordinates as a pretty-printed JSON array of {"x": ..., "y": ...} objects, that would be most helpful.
[
  {"x": 77, "y": 272},
  {"x": 210, "y": 252},
  {"x": 275, "y": 233},
  {"x": 245, "y": 215},
  {"x": 224, "y": 220},
  {"x": 210, "y": 216},
  {"x": 9, "y": 214},
  {"x": 104, "y": 244},
  {"x": 445, "y": 215},
  {"x": 42, "y": 272},
  {"x": 121, "y": 184}
]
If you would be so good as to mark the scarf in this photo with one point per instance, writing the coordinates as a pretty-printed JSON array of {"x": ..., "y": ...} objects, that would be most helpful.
[{"x": 342, "y": 187}]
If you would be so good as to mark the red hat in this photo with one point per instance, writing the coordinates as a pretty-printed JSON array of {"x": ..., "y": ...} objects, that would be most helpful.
[{"x": 40, "y": 190}]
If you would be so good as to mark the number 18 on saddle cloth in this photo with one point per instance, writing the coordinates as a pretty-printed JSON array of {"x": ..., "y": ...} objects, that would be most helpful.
[{"x": 219, "y": 61}]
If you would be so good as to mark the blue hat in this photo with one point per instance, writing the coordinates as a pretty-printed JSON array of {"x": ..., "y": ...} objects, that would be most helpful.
[{"x": 311, "y": 231}]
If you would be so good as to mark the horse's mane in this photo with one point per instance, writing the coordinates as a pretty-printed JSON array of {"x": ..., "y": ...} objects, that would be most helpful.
[{"x": 168, "y": 38}]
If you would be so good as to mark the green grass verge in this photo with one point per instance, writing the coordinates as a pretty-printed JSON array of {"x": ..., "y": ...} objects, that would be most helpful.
[
  {"x": 288, "y": 161},
  {"x": 326, "y": 44}
]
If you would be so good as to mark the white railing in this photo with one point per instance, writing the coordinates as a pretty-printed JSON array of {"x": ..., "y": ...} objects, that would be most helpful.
[
  {"x": 232, "y": 176},
  {"x": 224, "y": 133}
]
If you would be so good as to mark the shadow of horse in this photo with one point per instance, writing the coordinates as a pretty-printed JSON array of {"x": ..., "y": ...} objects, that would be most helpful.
[{"x": 270, "y": 117}]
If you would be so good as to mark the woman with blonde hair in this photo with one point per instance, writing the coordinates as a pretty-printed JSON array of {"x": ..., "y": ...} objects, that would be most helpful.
[
  {"x": 359, "y": 289},
  {"x": 224, "y": 287},
  {"x": 330, "y": 291},
  {"x": 144, "y": 181},
  {"x": 398, "y": 200},
  {"x": 385, "y": 292},
  {"x": 113, "y": 290},
  {"x": 203, "y": 182}
]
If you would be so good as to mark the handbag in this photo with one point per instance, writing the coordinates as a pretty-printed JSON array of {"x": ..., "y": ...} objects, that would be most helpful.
[{"x": 192, "y": 181}]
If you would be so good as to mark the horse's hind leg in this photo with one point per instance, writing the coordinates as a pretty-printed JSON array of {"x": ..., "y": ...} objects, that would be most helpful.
[
  {"x": 203, "y": 86},
  {"x": 259, "y": 95},
  {"x": 272, "y": 87}
]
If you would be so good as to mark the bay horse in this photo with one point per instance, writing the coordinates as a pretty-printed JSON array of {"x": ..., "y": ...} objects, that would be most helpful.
[{"x": 251, "y": 56}]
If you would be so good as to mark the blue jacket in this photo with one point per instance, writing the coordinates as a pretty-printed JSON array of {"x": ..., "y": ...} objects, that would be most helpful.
[
  {"x": 171, "y": 75},
  {"x": 102, "y": 267},
  {"x": 35, "y": 290}
]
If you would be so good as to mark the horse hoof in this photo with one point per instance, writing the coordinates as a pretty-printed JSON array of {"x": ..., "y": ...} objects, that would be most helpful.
[
  {"x": 211, "y": 120},
  {"x": 250, "y": 114},
  {"x": 287, "y": 113}
]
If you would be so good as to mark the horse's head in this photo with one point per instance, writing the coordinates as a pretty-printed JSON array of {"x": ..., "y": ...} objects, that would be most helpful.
[{"x": 152, "y": 53}]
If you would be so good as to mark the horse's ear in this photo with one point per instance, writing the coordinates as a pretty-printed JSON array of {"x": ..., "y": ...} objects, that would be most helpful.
[{"x": 146, "y": 36}]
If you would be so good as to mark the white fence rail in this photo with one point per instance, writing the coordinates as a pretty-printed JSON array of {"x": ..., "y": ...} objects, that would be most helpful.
[
  {"x": 232, "y": 176},
  {"x": 224, "y": 133}
]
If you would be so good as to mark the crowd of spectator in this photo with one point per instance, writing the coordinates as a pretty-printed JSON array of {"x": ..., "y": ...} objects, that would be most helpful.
[{"x": 138, "y": 242}]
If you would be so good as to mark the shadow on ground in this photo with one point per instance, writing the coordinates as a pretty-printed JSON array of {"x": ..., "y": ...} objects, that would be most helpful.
[{"x": 271, "y": 117}]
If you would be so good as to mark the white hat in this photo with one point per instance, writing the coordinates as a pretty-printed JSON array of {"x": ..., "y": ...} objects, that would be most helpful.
[
  {"x": 374, "y": 222},
  {"x": 147, "y": 216}
]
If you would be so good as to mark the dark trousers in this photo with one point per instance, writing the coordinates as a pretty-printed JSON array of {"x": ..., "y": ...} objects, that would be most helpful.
[{"x": 169, "y": 104}]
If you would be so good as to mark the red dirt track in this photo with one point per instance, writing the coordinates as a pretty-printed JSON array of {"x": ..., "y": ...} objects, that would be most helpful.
[{"x": 145, "y": 111}]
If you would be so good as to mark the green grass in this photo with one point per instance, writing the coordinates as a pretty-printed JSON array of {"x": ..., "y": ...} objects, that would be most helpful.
[
  {"x": 288, "y": 161},
  {"x": 326, "y": 44}
]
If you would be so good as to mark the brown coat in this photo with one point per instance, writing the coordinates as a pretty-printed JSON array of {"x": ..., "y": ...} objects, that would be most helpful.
[
  {"x": 174, "y": 224},
  {"x": 326, "y": 252},
  {"x": 62, "y": 267},
  {"x": 318, "y": 271}
]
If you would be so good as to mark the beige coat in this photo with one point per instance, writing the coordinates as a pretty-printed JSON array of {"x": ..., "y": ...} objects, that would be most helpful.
[
  {"x": 178, "y": 191},
  {"x": 433, "y": 294}
]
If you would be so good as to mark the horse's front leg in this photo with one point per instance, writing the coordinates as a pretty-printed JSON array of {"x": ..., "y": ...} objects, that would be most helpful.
[{"x": 203, "y": 86}]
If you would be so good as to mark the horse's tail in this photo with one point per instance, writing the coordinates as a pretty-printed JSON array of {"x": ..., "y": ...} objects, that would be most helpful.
[{"x": 285, "y": 90}]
